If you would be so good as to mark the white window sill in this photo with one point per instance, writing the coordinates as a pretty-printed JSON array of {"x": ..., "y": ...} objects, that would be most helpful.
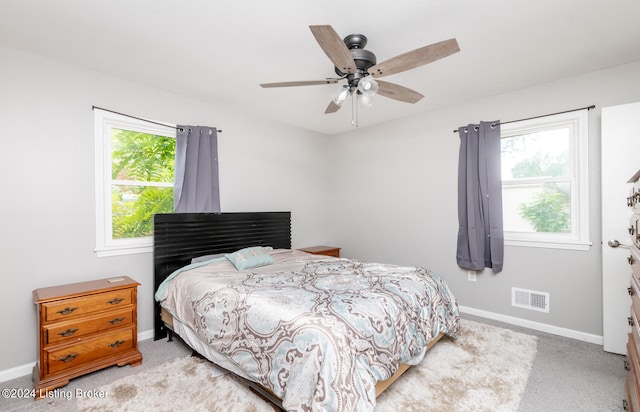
[
  {"x": 106, "y": 251},
  {"x": 574, "y": 245}
]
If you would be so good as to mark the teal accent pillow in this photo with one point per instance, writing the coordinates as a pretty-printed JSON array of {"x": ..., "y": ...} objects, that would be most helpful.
[{"x": 250, "y": 257}]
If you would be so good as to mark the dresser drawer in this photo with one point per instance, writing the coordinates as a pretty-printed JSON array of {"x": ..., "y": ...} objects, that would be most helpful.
[
  {"x": 633, "y": 201},
  {"x": 70, "y": 308},
  {"x": 633, "y": 229},
  {"x": 76, "y": 328},
  {"x": 88, "y": 350},
  {"x": 633, "y": 376},
  {"x": 632, "y": 395},
  {"x": 634, "y": 261},
  {"x": 634, "y": 343},
  {"x": 634, "y": 291}
]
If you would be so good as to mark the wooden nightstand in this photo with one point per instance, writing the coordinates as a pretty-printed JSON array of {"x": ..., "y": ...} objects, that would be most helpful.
[
  {"x": 84, "y": 327},
  {"x": 322, "y": 250}
]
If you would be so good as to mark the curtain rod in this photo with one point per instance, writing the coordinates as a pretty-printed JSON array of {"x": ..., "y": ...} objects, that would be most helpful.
[
  {"x": 140, "y": 118},
  {"x": 537, "y": 117}
]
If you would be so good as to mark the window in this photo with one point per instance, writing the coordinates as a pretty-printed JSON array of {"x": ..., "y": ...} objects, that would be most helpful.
[
  {"x": 545, "y": 182},
  {"x": 134, "y": 180}
]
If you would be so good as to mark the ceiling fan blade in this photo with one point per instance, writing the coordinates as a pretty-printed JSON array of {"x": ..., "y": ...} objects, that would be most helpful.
[
  {"x": 397, "y": 92},
  {"x": 415, "y": 58},
  {"x": 334, "y": 48},
  {"x": 300, "y": 83},
  {"x": 332, "y": 108}
]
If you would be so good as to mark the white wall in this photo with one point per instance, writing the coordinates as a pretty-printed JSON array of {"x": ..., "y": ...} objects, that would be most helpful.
[
  {"x": 47, "y": 210},
  {"x": 403, "y": 175}
]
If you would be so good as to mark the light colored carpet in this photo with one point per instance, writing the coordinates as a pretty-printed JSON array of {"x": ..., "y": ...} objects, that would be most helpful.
[{"x": 485, "y": 369}]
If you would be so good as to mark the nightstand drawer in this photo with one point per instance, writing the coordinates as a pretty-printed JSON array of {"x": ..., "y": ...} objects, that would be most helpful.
[
  {"x": 73, "y": 307},
  {"x": 73, "y": 329},
  {"x": 89, "y": 350}
]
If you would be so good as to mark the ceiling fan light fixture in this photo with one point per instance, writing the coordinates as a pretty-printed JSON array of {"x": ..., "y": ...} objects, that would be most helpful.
[
  {"x": 366, "y": 99},
  {"x": 341, "y": 96},
  {"x": 368, "y": 85}
]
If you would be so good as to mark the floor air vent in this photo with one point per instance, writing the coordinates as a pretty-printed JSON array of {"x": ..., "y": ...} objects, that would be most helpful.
[{"x": 530, "y": 299}]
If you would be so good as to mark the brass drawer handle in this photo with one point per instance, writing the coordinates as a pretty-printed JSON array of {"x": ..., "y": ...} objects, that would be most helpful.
[
  {"x": 66, "y": 311},
  {"x": 115, "y": 301},
  {"x": 630, "y": 321},
  {"x": 116, "y": 343},
  {"x": 630, "y": 259},
  {"x": 68, "y": 332},
  {"x": 631, "y": 230},
  {"x": 116, "y": 321},
  {"x": 69, "y": 357}
]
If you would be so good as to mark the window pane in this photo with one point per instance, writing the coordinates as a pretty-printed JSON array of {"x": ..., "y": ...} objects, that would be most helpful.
[
  {"x": 541, "y": 154},
  {"x": 545, "y": 181},
  {"x": 537, "y": 207},
  {"x": 142, "y": 156},
  {"x": 133, "y": 208}
]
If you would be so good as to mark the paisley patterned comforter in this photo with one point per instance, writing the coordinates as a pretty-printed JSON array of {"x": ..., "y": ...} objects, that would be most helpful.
[{"x": 319, "y": 332}]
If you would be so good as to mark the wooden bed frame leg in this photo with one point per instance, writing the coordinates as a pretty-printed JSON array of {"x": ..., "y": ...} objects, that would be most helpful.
[{"x": 169, "y": 335}]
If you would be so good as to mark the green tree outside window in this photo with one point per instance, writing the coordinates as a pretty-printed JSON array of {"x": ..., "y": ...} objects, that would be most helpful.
[
  {"x": 547, "y": 211},
  {"x": 142, "y": 181}
]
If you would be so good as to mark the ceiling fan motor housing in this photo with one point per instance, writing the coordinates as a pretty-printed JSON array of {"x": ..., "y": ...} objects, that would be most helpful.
[{"x": 364, "y": 59}]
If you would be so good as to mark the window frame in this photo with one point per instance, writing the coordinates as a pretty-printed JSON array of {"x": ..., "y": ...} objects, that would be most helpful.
[
  {"x": 578, "y": 238},
  {"x": 104, "y": 122}
]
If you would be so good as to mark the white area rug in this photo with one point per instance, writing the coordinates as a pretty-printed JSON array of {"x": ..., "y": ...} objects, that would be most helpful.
[{"x": 485, "y": 369}]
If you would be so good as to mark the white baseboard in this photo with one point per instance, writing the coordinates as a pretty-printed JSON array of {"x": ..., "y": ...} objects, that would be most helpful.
[
  {"x": 23, "y": 370},
  {"x": 542, "y": 327},
  {"x": 18, "y": 371},
  {"x": 147, "y": 334}
]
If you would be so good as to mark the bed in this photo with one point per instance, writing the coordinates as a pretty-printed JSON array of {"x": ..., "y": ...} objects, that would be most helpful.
[{"x": 309, "y": 332}]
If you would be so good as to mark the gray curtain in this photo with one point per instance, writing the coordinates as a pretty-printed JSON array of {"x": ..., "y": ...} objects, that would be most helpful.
[
  {"x": 480, "y": 234},
  {"x": 196, "y": 187}
]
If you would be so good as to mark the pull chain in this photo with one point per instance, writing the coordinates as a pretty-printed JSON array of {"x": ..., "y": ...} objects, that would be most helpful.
[{"x": 354, "y": 109}]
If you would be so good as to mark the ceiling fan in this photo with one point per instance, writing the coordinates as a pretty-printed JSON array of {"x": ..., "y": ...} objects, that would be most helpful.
[{"x": 360, "y": 68}]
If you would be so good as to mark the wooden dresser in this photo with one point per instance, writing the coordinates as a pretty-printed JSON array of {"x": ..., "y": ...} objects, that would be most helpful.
[
  {"x": 322, "y": 250},
  {"x": 632, "y": 364},
  {"x": 84, "y": 327}
]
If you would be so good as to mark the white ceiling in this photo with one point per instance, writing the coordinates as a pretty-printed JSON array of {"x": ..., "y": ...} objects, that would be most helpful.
[{"x": 220, "y": 51}]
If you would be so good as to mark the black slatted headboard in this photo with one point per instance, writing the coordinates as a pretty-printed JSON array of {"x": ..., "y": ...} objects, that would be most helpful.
[{"x": 179, "y": 237}]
